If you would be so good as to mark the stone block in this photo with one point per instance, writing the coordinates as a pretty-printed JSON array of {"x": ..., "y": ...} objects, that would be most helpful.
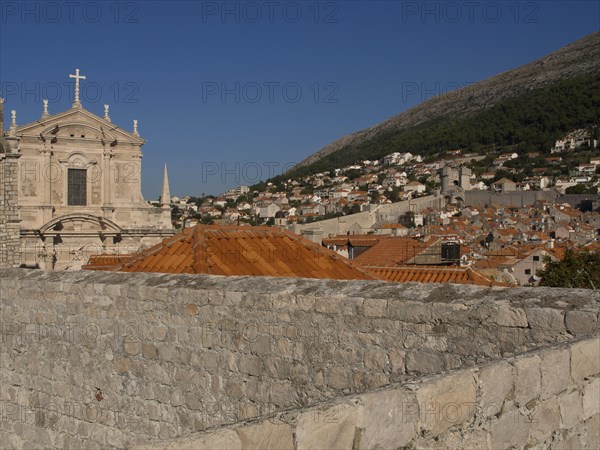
[
  {"x": 262, "y": 345},
  {"x": 132, "y": 348},
  {"x": 283, "y": 394},
  {"x": 472, "y": 439},
  {"x": 375, "y": 360},
  {"x": 250, "y": 365},
  {"x": 150, "y": 351},
  {"x": 396, "y": 357},
  {"x": 591, "y": 399},
  {"x": 447, "y": 402},
  {"x": 496, "y": 383},
  {"x": 546, "y": 319},
  {"x": 582, "y": 323},
  {"x": 332, "y": 428},
  {"x": 555, "y": 367},
  {"x": 510, "y": 431},
  {"x": 122, "y": 365},
  {"x": 528, "y": 380},
  {"x": 375, "y": 307},
  {"x": 592, "y": 428},
  {"x": 277, "y": 368},
  {"x": 270, "y": 434},
  {"x": 408, "y": 311},
  {"x": 585, "y": 359},
  {"x": 424, "y": 363},
  {"x": 338, "y": 378},
  {"x": 215, "y": 440},
  {"x": 390, "y": 419},
  {"x": 329, "y": 305},
  {"x": 545, "y": 419},
  {"x": 508, "y": 316},
  {"x": 570, "y": 443},
  {"x": 570, "y": 409}
]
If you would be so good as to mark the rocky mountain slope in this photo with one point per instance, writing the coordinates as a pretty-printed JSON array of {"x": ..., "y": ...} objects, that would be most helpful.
[{"x": 576, "y": 59}]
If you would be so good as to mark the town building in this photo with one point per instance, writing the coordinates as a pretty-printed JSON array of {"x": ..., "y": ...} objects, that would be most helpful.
[{"x": 78, "y": 189}]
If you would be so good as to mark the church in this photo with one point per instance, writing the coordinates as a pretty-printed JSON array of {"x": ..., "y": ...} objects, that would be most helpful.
[{"x": 71, "y": 185}]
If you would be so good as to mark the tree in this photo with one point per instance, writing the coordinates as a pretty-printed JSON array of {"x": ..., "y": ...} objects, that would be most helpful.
[
  {"x": 581, "y": 189},
  {"x": 579, "y": 269}
]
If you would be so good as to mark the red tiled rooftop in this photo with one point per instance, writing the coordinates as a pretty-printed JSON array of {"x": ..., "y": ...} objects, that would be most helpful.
[
  {"x": 407, "y": 274},
  {"x": 106, "y": 262},
  {"x": 356, "y": 240},
  {"x": 259, "y": 251},
  {"x": 391, "y": 252}
]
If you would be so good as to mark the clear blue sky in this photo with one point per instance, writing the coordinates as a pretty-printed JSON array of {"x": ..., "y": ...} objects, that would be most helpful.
[{"x": 356, "y": 63}]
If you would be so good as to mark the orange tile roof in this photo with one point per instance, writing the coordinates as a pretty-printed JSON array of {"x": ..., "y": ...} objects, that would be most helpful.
[
  {"x": 391, "y": 226},
  {"x": 391, "y": 252},
  {"x": 356, "y": 240},
  {"x": 507, "y": 231},
  {"x": 407, "y": 274},
  {"x": 231, "y": 250},
  {"x": 106, "y": 262}
]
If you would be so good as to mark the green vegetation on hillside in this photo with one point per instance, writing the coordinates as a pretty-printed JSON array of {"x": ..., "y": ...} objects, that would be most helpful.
[{"x": 531, "y": 122}]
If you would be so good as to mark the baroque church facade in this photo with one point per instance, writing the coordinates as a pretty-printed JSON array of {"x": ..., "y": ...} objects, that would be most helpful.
[{"x": 78, "y": 189}]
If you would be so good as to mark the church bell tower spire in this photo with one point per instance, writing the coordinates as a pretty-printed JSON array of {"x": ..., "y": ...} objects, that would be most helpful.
[{"x": 165, "y": 196}]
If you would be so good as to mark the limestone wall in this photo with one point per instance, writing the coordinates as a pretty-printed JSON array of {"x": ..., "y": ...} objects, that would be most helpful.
[
  {"x": 543, "y": 399},
  {"x": 92, "y": 359},
  {"x": 9, "y": 210},
  {"x": 517, "y": 199}
]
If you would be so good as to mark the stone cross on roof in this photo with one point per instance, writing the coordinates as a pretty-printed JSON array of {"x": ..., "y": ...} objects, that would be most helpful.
[{"x": 77, "y": 77}]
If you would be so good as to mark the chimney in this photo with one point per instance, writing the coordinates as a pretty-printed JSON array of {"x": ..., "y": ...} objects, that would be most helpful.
[{"x": 551, "y": 243}]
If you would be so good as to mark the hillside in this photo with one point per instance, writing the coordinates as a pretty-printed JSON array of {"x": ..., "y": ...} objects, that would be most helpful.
[{"x": 522, "y": 96}]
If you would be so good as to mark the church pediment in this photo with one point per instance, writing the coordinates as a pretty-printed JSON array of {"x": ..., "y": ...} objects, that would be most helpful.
[
  {"x": 80, "y": 224},
  {"x": 78, "y": 123}
]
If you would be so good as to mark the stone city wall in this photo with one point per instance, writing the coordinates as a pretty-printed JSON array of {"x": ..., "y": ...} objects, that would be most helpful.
[
  {"x": 543, "y": 399},
  {"x": 362, "y": 222},
  {"x": 516, "y": 199},
  {"x": 91, "y": 359}
]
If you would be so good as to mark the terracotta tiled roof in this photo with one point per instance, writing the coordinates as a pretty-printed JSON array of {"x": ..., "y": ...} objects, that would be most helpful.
[
  {"x": 391, "y": 252},
  {"x": 507, "y": 231},
  {"x": 356, "y": 240},
  {"x": 106, "y": 262},
  {"x": 230, "y": 250},
  {"x": 406, "y": 274}
]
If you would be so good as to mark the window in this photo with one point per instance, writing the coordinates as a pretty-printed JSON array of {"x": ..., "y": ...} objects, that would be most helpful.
[
  {"x": 536, "y": 258},
  {"x": 77, "y": 187},
  {"x": 527, "y": 271}
]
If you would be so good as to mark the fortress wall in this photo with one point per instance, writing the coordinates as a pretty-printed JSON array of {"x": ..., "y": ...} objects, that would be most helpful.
[
  {"x": 543, "y": 399},
  {"x": 389, "y": 213},
  {"x": 92, "y": 359},
  {"x": 378, "y": 214},
  {"x": 517, "y": 199}
]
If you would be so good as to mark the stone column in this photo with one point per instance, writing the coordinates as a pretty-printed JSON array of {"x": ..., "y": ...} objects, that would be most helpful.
[{"x": 10, "y": 247}]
